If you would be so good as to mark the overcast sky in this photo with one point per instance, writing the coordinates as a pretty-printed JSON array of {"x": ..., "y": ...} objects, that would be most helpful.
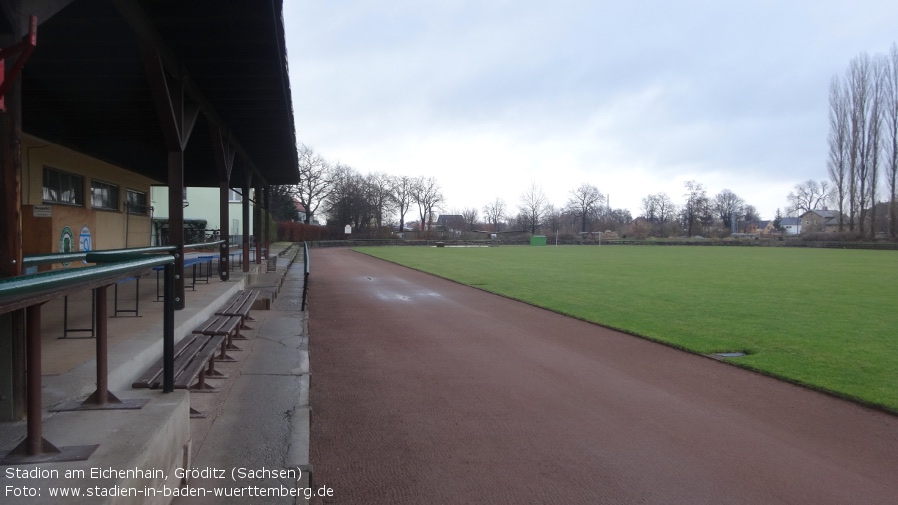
[{"x": 633, "y": 97}]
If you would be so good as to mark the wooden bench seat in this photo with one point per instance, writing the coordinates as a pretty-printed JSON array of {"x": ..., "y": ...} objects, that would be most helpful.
[
  {"x": 223, "y": 325},
  {"x": 240, "y": 305},
  {"x": 195, "y": 357},
  {"x": 192, "y": 354}
]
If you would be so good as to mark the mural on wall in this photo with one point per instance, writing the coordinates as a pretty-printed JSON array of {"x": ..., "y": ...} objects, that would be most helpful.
[{"x": 66, "y": 242}]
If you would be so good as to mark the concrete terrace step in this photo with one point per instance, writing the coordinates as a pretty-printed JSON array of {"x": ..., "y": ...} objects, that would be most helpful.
[{"x": 161, "y": 437}]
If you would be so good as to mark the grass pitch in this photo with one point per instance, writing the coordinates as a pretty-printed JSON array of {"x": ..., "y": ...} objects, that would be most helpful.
[{"x": 820, "y": 317}]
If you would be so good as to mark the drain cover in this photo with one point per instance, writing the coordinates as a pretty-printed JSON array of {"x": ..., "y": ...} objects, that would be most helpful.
[{"x": 730, "y": 354}]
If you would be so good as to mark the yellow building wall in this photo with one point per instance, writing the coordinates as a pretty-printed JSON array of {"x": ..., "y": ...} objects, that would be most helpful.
[{"x": 107, "y": 229}]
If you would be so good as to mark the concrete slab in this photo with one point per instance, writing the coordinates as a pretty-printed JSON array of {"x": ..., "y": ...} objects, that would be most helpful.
[
  {"x": 160, "y": 436},
  {"x": 284, "y": 357},
  {"x": 251, "y": 441},
  {"x": 138, "y": 454}
]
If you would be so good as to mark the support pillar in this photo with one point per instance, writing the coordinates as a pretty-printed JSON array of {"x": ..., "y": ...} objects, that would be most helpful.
[
  {"x": 176, "y": 220},
  {"x": 12, "y": 325},
  {"x": 224, "y": 153},
  {"x": 267, "y": 226},
  {"x": 257, "y": 223},
  {"x": 245, "y": 221}
]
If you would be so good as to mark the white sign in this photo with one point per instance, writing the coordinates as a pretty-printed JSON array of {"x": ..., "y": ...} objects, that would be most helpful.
[
  {"x": 347, "y": 230},
  {"x": 43, "y": 211}
]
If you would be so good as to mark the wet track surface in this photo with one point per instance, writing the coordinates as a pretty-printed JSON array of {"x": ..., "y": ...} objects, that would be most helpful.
[{"x": 425, "y": 391}]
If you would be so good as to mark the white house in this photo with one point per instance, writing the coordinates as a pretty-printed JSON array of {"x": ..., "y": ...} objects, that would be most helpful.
[
  {"x": 203, "y": 203},
  {"x": 792, "y": 225}
]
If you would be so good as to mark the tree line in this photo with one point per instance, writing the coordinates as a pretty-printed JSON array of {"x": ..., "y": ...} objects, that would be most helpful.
[
  {"x": 862, "y": 161},
  {"x": 378, "y": 205}
]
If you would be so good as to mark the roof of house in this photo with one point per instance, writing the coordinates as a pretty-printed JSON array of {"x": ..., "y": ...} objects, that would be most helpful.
[
  {"x": 825, "y": 214},
  {"x": 446, "y": 219},
  {"x": 790, "y": 221}
]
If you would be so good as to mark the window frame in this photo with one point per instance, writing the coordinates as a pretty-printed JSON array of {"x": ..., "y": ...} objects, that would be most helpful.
[
  {"x": 101, "y": 184},
  {"x": 60, "y": 175},
  {"x": 129, "y": 204}
]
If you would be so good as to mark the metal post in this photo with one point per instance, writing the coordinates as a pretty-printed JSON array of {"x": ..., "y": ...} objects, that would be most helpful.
[
  {"x": 168, "y": 331},
  {"x": 102, "y": 393},
  {"x": 35, "y": 441},
  {"x": 305, "y": 277}
]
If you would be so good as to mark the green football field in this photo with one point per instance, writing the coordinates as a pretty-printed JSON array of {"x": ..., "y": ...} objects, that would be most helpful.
[{"x": 822, "y": 317}]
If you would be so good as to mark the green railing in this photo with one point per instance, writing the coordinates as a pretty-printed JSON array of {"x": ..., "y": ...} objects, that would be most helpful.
[{"x": 30, "y": 292}]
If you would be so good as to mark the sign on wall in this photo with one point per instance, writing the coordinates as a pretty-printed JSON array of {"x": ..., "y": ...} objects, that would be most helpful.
[
  {"x": 66, "y": 242},
  {"x": 84, "y": 240}
]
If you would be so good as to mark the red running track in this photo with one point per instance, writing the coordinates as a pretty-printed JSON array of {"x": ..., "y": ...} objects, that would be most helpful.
[{"x": 428, "y": 392}]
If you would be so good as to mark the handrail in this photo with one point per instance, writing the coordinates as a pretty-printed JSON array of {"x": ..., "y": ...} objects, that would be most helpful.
[
  {"x": 306, "y": 271},
  {"x": 200, "y": 245},
  {"x": 24, "y": 286},
  {"x": 50, "y": 258},
  {"x": 30, "y": 291}
]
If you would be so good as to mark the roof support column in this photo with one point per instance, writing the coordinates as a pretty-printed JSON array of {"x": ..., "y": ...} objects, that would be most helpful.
[
  {"x": 245, "y": 220},
  {"x": 268, "y": 220},
  {"x": 176, "y": 220},
  {"x": 224, "y": 153},
  {"x": 257, "y": 222},
  {"x": 12, "y": 325},
  {"x": 177, "y": 118}
]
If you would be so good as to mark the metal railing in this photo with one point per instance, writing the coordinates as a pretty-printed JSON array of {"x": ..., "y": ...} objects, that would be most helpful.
[
  {"x": 306, "y": 270},
  {"x": 30, "y": 292}
]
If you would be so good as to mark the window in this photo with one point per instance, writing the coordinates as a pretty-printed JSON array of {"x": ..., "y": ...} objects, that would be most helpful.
[
  {"x": 103, "y": 195},
  {"x": 234, "y": 196},
  {"x": 136, "y": 202},
  {"x": 62, "y": 187}
]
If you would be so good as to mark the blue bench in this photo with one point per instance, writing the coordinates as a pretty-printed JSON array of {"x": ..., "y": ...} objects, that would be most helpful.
[{"x": 194, "y": 262}]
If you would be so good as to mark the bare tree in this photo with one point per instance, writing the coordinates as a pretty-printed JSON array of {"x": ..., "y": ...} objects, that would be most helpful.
[
  {"x": 553, "y": 219},
  {"x": 533, "y": 207},
  {"x": 659, "y": 210},
  {"x": 403, "y": 187},
  {"x": 584, "y": 202},
  {"x": 650, "y": 208},
  {"x": 314, "y": 181},
  {"x": 428, "y": 196},
  {"x": 874, "y": 136},
  {"x": 858, "y": 79},
  {"x": 348, "y": 200},
  {"x": 808, "y": 195},
  {"x": 379, "y": 192},
  {"x": 890, "y": 118},
  {"x": 696, "y": 210},
  {"x": 494, "y": 213},
  {"x": 469, "y": 215},
  {"x": 728, "y": 207},
  {"x": 838, "y": 145}
]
